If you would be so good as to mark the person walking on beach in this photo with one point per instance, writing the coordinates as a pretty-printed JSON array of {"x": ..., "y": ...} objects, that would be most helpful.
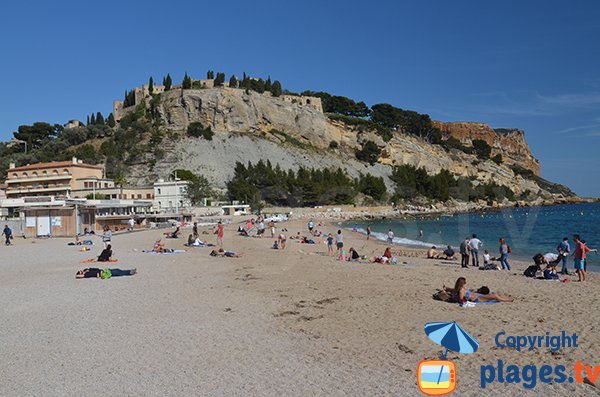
[
  {"x": 310, "y": 226},
  {"x": 390, "y": 238},
  {"x": 564, "y": 249},
  {"x": 107, "y": 236},
  {"x": 464, "y": 253},
  {"x": 368, "y": 232},
  {"x": 580, "y": 255},
  {"x": 504, "y": 251},
  {"x": 474, "y": 245},
  {"x": 272, "y": 228},
  {"x": 131, "y": 224},
  {"x": 220, "y": 234},
  {"x": 7, "y": 232},
  {"x": 339, "y": 242}
]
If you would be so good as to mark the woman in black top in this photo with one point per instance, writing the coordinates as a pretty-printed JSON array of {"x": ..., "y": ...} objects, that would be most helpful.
[{"x": 106, "y": 254}]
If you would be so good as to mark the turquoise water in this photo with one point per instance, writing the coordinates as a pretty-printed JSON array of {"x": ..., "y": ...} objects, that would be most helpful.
[{"x": 527, "y": 230}]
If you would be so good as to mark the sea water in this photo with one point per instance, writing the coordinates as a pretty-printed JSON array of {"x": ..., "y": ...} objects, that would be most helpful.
[{"x": 527, "y": 230}]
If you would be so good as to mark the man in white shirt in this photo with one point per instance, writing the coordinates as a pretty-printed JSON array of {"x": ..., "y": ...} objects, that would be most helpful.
[
  {"x": 390, "y": 238},
  {"x": 475, "y": 244}
]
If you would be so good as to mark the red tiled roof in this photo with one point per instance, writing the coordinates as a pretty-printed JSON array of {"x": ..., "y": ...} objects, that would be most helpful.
[{"x": 54, "y": 164}]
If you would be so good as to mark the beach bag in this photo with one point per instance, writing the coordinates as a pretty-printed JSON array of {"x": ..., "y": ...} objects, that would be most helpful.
[
  {"x": 531, "y": 271},
  {"x": 106, "y": 274},
  {"x": 508, "y": 249}
]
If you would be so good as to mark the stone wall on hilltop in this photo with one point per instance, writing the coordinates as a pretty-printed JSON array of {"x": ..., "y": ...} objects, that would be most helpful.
[{"x": 510, "y": 143}]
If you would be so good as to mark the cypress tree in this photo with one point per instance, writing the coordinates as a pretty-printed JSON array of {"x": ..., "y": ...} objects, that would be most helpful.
[
  {"x": 88, "y": 120},
  {"x": 111, "y": 121},
  {"x": 187, "y": 82},
  {"x": 168, "y": 82},
  {"x": 93, "y": 119},
  {"x": 99, "y": 119},
  {"x": 233, "y": 81},
  {"x": 151, "y": 86},
  {"x": 268, "y": 84}
]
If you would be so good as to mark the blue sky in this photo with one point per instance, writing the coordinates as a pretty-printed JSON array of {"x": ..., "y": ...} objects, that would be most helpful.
[{"x": 534, "y": 65}]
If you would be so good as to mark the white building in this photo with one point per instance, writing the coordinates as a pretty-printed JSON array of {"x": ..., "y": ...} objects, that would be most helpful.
[{"x": 170, "y": 197}]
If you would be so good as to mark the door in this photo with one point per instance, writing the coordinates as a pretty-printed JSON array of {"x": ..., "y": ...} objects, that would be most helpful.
[{"x": 43, "y": 225}]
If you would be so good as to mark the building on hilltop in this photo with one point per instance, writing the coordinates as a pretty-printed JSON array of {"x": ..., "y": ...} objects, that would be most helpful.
[{"x": 56, "y": 178}]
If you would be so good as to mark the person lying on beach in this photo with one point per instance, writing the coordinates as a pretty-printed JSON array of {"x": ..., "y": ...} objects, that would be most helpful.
[
  {"x": 221, "y": 252},
  {"x": 159, "y": 247},
  {"x": 94, "y": 272},
  {"x": 106, "y": 254},
  {"x": 433, "y": 254},
  {"x": 465, "y": 294},
  {"x": 449, "y": 254},
  {"x": 306, "y": 240},
  {"x": 385, "y": 258},
  {"x": 174, "y": 234}
]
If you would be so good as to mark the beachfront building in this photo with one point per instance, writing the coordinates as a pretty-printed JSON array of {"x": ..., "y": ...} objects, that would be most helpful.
[
  {"x": 98, "y": 188},
  {"x": 170, "y": 196},
  {"x": 238, "y": 209},
  {"x": 56, "y": 178},
  {"x": 43, "y": 216}
]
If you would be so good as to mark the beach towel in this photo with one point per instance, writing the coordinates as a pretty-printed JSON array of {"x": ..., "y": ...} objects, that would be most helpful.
[
  {"x": 163, "y": 253},
  {"x": 473, "y": 304}
]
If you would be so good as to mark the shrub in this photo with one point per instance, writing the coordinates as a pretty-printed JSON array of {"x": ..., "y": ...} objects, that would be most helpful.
[
  {"x": 482, "y": 149},
  {"x": 369, "y": 153},
  {"x": 197, "y": 130},
  {"x": 333, "y": 145},
  {"x": 497, "y": 159}
]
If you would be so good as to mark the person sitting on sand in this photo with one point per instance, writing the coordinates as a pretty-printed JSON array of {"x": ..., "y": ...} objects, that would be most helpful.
[
  {"x": 449, "y": 254},
  {"x": 385, "y": 258},
  {"x": 191, "y": 240},
  {"x": 432, "y": 253},
  {"x": 465, "y": 294},
  {"x": 94, "y": 272},
  {"x": 160, "y": 248},
  {"x": 105, "y": 254},
  {"x": 550, "y": 271},
  {"x": 175, "y": 234},
  {"x": 353, "y": 255}
]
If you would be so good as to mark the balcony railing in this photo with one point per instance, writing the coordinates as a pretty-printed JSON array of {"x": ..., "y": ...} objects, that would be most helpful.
[{"x": 38, "y": 178}]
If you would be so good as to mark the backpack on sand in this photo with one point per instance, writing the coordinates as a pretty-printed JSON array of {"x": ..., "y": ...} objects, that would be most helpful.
[
  {"x": 531, "y": 271},
  {"x": 106, "y": 274}
]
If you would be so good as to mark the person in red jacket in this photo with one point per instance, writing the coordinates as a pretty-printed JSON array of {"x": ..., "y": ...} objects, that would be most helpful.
[{"x": 580, "y": 255}]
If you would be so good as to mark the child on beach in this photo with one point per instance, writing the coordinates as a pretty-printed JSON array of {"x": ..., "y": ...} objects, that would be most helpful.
[
  {"x": 486, "y": 258},
  {"x": 107, "y": 236},
  {"x": 339, "y": 241},
  {"x": 329, "y": 244}
]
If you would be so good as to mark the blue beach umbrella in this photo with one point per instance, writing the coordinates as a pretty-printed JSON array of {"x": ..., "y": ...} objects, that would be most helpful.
[{"x": 452, "y": 337}]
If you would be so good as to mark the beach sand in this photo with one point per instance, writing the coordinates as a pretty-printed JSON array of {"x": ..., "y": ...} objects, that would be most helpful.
[{"x": 291, "y": 322}]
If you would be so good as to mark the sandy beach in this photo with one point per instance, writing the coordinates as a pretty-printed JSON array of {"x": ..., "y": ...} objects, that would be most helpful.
[{"x": 291, "y": 322}]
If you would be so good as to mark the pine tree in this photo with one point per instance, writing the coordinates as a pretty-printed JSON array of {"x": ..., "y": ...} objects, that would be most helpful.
[
  {"x": 92, "y": 119},
  {"x": 276, "y": 88},
  {"x": 151, "y": 86},
  {"x": 268, "y": 84},
  {"x": 233, "y": 81},
  {"x": 99, "y": 119},
  {"x": 111, "y": 121},
  {"x": 210, "y": 74},
  {"x": 168, "y": 82},
  {"x": 187, "y": 82},
  {"x": 220, "y": 79}
]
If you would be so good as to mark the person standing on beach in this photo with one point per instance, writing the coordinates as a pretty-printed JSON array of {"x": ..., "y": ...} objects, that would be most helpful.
[
  {"x": 107, "y": 236},
  {"x": 131, "y": 223},
  {"x": 220, "y": 234},
  {"x": 474, "y": 245},
  {"x": 272, "y": 227},
  {"x": 464, "y": 253},
  {"x": 368, "y": 232},
  {"x": 7, "y": 232},
  {"x": 329, "y": 244},
  {"x": 195, "y": 230},
  {"x": 564, "y": 249},
  {"x": 310, "y": 226},
  {"x": 390, "y": 238},
  {"x": 339, "y": 242},
  {"x": 580, "y": 255},
  {"x": 504, "y": 254}
]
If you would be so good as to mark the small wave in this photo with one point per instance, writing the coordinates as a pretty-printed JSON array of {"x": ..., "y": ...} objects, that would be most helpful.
[{"x": 396, "y": 240}]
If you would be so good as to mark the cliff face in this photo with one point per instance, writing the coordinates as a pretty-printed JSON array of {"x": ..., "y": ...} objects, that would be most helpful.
[
  {"x": 244, "y": 124},
  {"x": 508, "y": 143}
]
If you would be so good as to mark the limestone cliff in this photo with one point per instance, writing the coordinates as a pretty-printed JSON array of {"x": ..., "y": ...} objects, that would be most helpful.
[
  {"x": 250, "y": 126},
  {"x": 510, "y": 143}
]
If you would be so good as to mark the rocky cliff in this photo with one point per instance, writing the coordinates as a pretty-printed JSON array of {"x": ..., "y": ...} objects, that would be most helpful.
[
  {"x": 510, "y": 143},
  {"x": 250, "y": 126}
]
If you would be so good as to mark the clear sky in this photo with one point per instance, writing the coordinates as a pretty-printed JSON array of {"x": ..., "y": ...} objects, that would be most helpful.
[{"x": 534, "y": 65}]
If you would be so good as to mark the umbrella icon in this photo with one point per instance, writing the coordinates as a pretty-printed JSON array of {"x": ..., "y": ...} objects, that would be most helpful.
[{"x": 452, "y": 337}]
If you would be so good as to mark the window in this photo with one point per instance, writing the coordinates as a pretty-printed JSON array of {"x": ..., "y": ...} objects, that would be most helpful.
[
  {"x": 15, "y": 176},
  {"x": 182, "y": 189},
  {"x": 139, "y": 196},
  {"x": 158, "y": 191},
  {"x": 34, "y": 174},
  {"x": 25, "y": 175},
  {"x": 148, "y": 196},
  {"x": 124, "y": 197},
  {"x": 66, "y": 172},
  {"x": 45, "y": 173},
  {"x": 55, "y": 172}
]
